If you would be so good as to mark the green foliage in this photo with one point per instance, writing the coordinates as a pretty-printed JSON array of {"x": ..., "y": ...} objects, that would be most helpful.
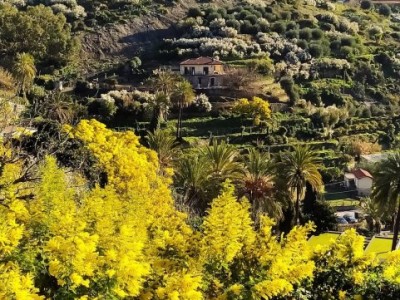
[
  {"x": 37, "y": 31},
  {"x": 385, "y": 10},
  {"x": 366, "y": 4}
]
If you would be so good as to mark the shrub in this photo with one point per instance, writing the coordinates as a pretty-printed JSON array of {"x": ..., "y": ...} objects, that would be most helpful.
[
  {"x": 317, "y": 34},
  {"x": 270, "y": 17},
  {"x": 194, "y": 12},
  {"x": 335, "y": 45},
  {"x": 288, "y": 85},
  {"x": 243, "y": 14},
  {"x": 213, "y": 16},
  {"x": 366, "y": 4},
  {"x": 263, "y": 24},
  {"x": 135, "y": 63},
  {"x": 248, "y": 28},
  {"x": 202, "y": 104},
  {"x": 326, "y": 26},
  {"x": 347, "y": 41},
  {"x": 286, "y": 15},
  {"x": 305, "y": 34},
  {"x": 385, "y": 10},
  {"x": 292, "y": 34},
  {"x": 306, "y": 23},
  {"x": 252, "y": 18},
  {"x": 302, "y": 44},
  {"x": 103, "y": 108},
  {"x": 346, "y": 51},
  {"x": 315, "y": 50},
  {"x": 278, "y": 27},
  {"x": 291, "y": 26},
  {"x": 233, "y": 23},
  {"x": 222, "y": 12}
]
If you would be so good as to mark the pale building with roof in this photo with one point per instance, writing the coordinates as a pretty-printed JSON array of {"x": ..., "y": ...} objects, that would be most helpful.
[
  {"x": 374, "y": 158},
  {"x": 359, "y": 179},
  {"x": 203, "y": 72}
]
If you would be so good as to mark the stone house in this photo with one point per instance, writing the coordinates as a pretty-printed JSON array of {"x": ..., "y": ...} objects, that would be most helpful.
[{"x": 203, "y": 72}]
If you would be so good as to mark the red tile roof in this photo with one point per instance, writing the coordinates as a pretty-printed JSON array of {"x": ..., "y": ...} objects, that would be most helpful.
[
  {"x": 361, "y": 173},
  {"x": 202, "y": 60}
]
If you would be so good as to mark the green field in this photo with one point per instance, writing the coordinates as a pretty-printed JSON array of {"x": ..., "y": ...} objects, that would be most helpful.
[
  {"x": 344, "y": 202},
  {"x": 379, "y": 245},
  {"x": 322, "y": 239}
]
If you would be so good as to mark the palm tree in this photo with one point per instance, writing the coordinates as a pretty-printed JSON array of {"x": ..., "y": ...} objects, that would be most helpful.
[
  {"x": 372, "y": 209},
  {"x": 223, "y": 160},
  {"x": 164, "y": 81},
  {"x": 259, "y": 186},
  {"x": 386, "y": 190},
  {"x": 164, "y": 144},
  {"x": 24, "y": 71},
  {"x": 298, "y": 168},
  {"x": 183, "y": 96},
  {"x": 60, "y": 107},
  {"x": 191, "y": 176},
  {"x": 160, "y": 107}
]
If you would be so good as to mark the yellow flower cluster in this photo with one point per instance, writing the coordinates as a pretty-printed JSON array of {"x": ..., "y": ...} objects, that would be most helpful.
[{"x": 127, "y": 240}]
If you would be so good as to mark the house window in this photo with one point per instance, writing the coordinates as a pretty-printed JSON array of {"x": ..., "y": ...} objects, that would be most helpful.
[
  {"x": 212, "y": 81},
  {"x": 205, "y": 70},
  {"x": 192, "y": 70},
  {"x": 199, "y": 81},
  {"x": 186, "y": 71}
]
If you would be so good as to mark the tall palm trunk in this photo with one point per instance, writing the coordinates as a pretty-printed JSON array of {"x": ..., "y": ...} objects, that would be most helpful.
[
  {"x": 297, "y": 208},
  {"x": 396, "y": 229},
  {"x": 179, "y": 126},
  {"x": 156, "y": 118}
]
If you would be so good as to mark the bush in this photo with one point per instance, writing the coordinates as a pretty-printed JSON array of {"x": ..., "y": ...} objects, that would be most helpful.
[
  {"x": 306, "y": 23},
  {"x": 385, "y": 10},
  {"x": 292, "y": 34},
  {"x": 270, "y": 17},
  {"x": 335, "y": 45},
  {"x": 291, "y": 26},
  {"x": 103, "y": 109},
  {"x": 317, "y": 34},
  {"x": 302, "y": 44},
  {"x": 243, "y": 14},
  {"x": 202, "y": 104},
  {"x": 252, "y": 18},
  {"x": 213, "y": 16},
  {"x": 346, "y": 52},
  {"x": 194, "y": 12},
  {"x": 315, "y": 50},
  {"x": 289, "y": 87},
  {"x": 347, "y": 41},
  {"x": 305, "y": 34},
  {"x": 326, "y": 26},
  {"x": 233, "y": 23},
  {"x": 366, "y": 4},
  {"x": 278, "y": 27},
  {"x": 286, "y": 15},
  {"x": 263, "y": 24}
]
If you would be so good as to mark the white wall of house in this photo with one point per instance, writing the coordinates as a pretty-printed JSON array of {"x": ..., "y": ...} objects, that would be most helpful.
[{"x": 364, "y": 185}]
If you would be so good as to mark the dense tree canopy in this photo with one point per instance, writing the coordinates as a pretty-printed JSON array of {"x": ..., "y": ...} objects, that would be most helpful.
[{"x": 37, "y": 31}]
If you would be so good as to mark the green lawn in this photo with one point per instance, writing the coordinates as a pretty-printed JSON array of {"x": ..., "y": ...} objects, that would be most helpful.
[
  {"x": 344, "y": 202},
  {"x": 322, "y": 239},
  {"x": 380, "y": 245}
]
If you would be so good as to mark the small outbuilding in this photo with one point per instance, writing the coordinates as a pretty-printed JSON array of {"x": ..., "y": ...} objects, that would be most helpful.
[{"x": 359, "y": 179}]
